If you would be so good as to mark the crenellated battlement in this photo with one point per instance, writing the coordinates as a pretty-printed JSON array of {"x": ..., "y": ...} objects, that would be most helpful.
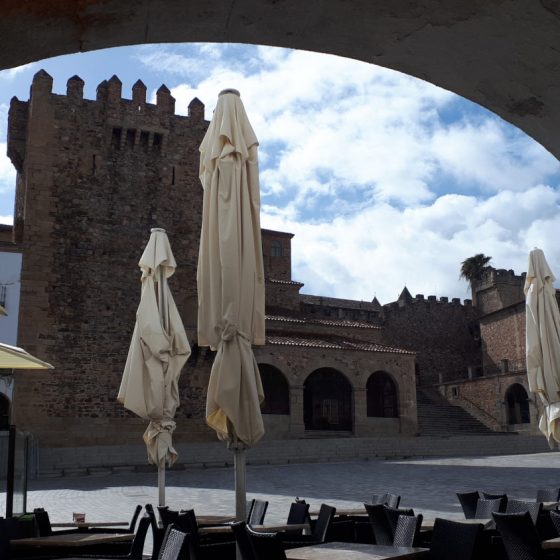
[
  {"x": 494, "y": 276},
  {"x": 109, "y": 96},
  {"x": 421, "y": 301}
]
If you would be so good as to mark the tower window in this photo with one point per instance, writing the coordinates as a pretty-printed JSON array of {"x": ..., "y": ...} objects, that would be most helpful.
[
  {"x": 276, "y": 249},
  {"x": 156, "y": 146},
  {"x": 116, "y": 138}
]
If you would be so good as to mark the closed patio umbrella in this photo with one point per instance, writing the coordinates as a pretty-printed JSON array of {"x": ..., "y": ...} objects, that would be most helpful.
[
  {"x": 230, "y": 280},
  {"x": 157, "y": 353},
  {"x": 543, "y": 342}
]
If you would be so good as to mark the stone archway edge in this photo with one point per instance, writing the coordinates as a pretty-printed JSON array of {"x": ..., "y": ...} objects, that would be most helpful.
[{"x": 501, "y": 55}]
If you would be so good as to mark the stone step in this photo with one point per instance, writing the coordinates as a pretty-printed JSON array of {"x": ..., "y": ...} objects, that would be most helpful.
[{"x": 68, "y": 461}]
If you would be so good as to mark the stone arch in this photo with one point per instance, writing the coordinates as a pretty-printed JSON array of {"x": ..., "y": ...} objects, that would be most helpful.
[
  {"x": 327, "y": 400},
  {"x": 276, "y": 390},
  {"x": 382, "y": 394},
  {"x": 454, "y": 46},
  {"x": 517, "y": 404},
  {"x": 5, "y": 406}
]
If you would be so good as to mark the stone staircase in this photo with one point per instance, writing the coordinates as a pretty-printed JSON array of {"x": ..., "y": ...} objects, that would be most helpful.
[{"x": 437, "y": 417}]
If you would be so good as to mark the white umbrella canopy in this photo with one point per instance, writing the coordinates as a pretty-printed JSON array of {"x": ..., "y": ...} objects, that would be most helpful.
[
  {"x": 543, "y": 342},
  {"x": 230, "y": 275},
  {"x": 13, "y": 357},
  {"x": 157, "y": 353}
]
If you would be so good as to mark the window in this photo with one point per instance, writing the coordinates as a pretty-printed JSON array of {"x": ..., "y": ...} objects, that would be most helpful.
[
  {"x": 116, "y": 138},
  {"x": 382, "y": 401},
  {"x": 276, "y": 248}
]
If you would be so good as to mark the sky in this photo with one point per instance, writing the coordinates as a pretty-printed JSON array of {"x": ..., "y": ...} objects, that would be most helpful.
[{"x": 385, "y": 181}]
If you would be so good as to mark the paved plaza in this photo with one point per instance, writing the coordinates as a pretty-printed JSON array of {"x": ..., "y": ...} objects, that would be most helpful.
[{"x": 427, "y": 485}]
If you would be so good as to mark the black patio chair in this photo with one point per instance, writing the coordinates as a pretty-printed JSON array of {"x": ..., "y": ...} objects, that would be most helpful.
[
  {"x": 519, "y": 506},
  {"x": 257, "y": 513},
  {"x": 167, "y": 516},
  {"x": 519, "y": 535},
  {"x": 388, "y": 499},
  {"x": 381, "y": 528},
  {"x": 485, "y": 508},
  {"x": 298, "y": 515},
  {"x": 267, "y": 546},
  {"x": 548, "y": 494},
  {"x": 319, "y": 530},
  {"x": 468, "y": 502},
  {"x": 503, "y": 497},
  {"x": 393, "y": 514},
  {"x": 239, "y": 530},
  {"x": 130, "y": 529},
  {"x": 43, "y": 524},
  {"x": 407, "y": 530},
  {"x": 174, "y": 544},
  {"x": 157, "y": 531},
  {"x": 453, "y": 540},
  {"x": 555, "y": 518}
]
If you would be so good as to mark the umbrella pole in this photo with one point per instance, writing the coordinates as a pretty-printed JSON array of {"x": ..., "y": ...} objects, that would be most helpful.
[
  {"x": 161, "y": 484},
  {"x": 239, "y": 460}
]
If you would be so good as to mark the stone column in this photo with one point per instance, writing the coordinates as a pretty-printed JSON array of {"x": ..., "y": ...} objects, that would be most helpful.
[
  {"x": 360, "y": 428},
  {"x": 297, "y": 427}
]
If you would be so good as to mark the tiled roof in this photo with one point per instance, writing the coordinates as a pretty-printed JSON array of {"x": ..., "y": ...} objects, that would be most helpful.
[
  {"x": 327, "y": 322},
  {"x": 289, "y": 282},
  {"x": 333, "y": 343}
]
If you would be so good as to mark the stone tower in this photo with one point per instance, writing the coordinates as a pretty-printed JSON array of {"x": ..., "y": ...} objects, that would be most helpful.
[{"x": 93, "y": 176}]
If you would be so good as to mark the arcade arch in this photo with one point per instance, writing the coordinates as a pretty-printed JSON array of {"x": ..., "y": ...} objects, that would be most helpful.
[
  {"x": 470, "y": 49},
  {"x": 276, "y": 390},
  {"x": 517, "y": 405},
  {"x": 327, "y": 401},
  {"x": 382, "y": 396}
]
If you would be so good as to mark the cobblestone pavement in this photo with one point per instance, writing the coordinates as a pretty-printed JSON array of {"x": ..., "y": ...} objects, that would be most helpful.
[{"x": 427, "y": 485}]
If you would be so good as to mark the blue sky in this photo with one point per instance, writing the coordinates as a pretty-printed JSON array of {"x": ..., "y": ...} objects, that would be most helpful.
[{"x": 385, "y": 180}]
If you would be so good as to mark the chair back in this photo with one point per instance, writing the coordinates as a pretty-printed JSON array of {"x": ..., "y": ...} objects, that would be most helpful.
[
  {"x": 485, "y": 508},
  {"x": 167, "y": 516},
  {"x": 137, "y": 547},
  {"x": 407, "y": 530},
  {"x": 134, "y": 519},
  {"x": 502, "y": 497},
  {"x": 453, "y": 540},
  {"x": 519, "y": 535},
  {"x": 392, "y": 515},
  {"x": 42, "y": 522},
  {"x": 519, "y": 506},
  {"x": 324, "y": 520},
  {"x": 267, "y": 546},
  {"x": 380, "y": 526},
  {"x": 555, "y": 518},
  {"x": 468, "y": 501},
  {"x": 548, "y": 494},
  {"x": 249, "y": 504},
  {"x": 391, "y": 500},
  {"x": 258, "y": 511},
  {"x": 298, "y": 514},
  {"x": 243, "y": 540},
  {"x": 173, "y": 543}
]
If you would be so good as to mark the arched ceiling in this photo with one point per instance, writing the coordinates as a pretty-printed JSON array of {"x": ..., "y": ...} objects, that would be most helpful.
[{"x": 502, "y": 54}]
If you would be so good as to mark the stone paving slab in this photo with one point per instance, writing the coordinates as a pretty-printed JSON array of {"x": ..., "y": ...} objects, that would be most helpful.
[{"x": 427, "y": 485}]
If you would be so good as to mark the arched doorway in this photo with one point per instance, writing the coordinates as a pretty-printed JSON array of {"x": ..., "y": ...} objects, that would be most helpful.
[
  {"x": 276, "y": 391},
  {"x": 382, "y": 396},
  {"x": 327, "y": 401},
  {"x": 4, "y": 412},
  {"x": 517, "y": 402}
]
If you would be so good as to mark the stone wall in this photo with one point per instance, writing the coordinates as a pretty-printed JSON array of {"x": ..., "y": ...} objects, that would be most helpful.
[
  {"x": 95, "y": 176},
  {"x": 443, "y": 334},
  {"x": 503, "y": 336}
]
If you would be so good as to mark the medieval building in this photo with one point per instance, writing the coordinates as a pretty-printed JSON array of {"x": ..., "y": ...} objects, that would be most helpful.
[{"x": 93, "y": 176}]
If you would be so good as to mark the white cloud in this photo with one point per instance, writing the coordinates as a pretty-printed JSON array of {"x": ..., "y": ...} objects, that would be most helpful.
[
  {"x": 12, "y": 73},
  {"x": 7, "y": 172},
  {"x": 381, "y": 249},
  {"x": 7, "y": 220}
]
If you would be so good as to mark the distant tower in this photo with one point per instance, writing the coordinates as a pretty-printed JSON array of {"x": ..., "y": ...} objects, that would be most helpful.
[
  {"x": 93, "y": 176},
  {"x": 497, "y": 289}
]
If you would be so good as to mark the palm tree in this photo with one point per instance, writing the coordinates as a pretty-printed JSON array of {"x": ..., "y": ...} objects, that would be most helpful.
[{"x": 473, "y": 269}]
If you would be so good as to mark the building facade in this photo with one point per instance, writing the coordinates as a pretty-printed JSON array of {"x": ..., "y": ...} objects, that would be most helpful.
[{"x": 93, "y": 176}]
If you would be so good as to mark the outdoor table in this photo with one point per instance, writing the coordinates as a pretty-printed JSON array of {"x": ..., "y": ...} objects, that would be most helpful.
[
  {"x": 214, "y": 519},
  {"x": 221, "y": 529},
  {"x": 92, "y": 524},
  {"x": 71, "y": 540},
  {"x": 356, "y": 551},
  {"x": 550, "y": 505},
  {"x": 551, "y": 543},
  {"x": 428, "y": 523},
  {"x": 344, "y": 511}
]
